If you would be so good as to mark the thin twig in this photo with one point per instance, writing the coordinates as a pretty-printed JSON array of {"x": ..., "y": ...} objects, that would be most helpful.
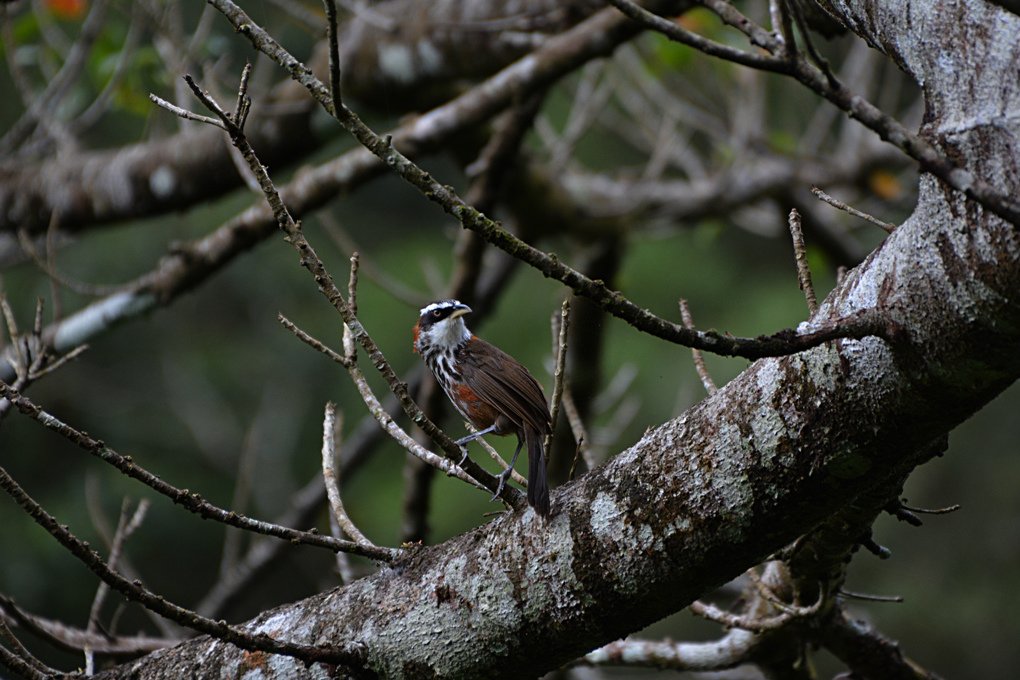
[
  {"x": 20, "y": 652},
  {"x": 793, "y": 8},
  {"x": 344, "y": 568},
  {"x": 29, "y": 356},
  {"x": 933, "y": 511},
  {"x": 864, "y": 324},
  {"x": 825, "y": 84},
  {"x": 577, "y": 427},
  {"x": 19, "y": 665},
  {"x": 674, "y": 31},
  {"x": 331, "y": 479},
  {"x": 312, "y": 342},
  {"x": 351, "y": 347},
  {"x": 560, "y": 328},
  {"x": 350, "y": 655},
  {"x": 243, "y": 104},
  {"x": 786, "y": 34},
  {"x": 755, "y": 623},
  {"x": 803, "y": 270},
  {"x": 379, "y": 413},
  {"x": 334, "y": 50},
  {"x": 471, "y": 472},
  {"x": 184, "y": 113},
  {"x": 576, "y": 458},
  {"x": 125, "y": 527},
  {"x": 187, "y": 499},
  {"x": 75, "y": 640},
  {"x": 699, "y": 360},
  {"x": 729, "y": 651},
  {"x": 888, "y": 227},
  {"x": 494, "y": 454},
  {"x": 895, "y": 599}
]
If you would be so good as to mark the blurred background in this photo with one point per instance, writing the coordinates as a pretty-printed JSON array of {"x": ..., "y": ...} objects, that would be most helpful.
[{"x": 213, "y": 395}]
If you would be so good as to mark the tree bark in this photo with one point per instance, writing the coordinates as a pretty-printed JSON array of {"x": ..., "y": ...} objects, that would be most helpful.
[{"x": 787, "y": 443}]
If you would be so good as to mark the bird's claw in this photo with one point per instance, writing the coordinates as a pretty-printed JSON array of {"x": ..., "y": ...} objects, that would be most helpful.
[
  {"x": 502, "y": 477},
  {"x": 464, "y": 450}
]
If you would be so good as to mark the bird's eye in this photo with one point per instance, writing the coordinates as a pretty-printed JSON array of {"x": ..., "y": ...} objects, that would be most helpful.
[{"x": 436, "y": 313}]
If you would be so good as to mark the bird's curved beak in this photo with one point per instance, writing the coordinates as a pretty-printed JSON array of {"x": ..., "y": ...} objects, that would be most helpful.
[{"x": 460, "y": 311}]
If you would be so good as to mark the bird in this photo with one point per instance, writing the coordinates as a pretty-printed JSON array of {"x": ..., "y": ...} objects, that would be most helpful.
[{"x": 489, "y": 388}]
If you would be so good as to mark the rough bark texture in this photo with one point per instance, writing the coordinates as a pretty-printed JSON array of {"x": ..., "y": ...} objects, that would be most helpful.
[{"x": 790, "y": 441}]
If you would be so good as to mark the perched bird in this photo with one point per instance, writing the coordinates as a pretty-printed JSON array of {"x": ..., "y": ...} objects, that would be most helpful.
[{"x": 491, "y": 389}]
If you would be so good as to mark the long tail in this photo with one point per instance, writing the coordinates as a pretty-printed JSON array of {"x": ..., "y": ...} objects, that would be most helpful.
[{"x": 538, "y": 483}]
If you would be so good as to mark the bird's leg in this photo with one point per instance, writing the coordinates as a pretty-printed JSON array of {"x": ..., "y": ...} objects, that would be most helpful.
[
  {"x": 509, "y": 471},
  {"x": 463, "y": 441}
]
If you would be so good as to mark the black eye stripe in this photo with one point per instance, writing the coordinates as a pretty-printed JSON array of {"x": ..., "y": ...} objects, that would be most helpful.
[{"x": 437, "y": 314}]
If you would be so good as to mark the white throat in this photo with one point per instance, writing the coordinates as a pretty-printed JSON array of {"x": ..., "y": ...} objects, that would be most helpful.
[{"x": 448, "y": 334}]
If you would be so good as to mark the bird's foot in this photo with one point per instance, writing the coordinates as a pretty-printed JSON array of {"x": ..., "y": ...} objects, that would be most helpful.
[
  {"x": 463, "y": 450},
  {"x": 502, "y": 477}
]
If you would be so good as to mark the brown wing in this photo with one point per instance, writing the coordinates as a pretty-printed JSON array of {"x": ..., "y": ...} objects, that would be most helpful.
[{"x": 499, "y": 379}]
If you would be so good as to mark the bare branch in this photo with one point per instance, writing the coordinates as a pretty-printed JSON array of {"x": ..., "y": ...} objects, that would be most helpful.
[
  {"x": 699, "y": 360},
  {"x": 467, "y": 470},
  {"x": 350, "y": 347},
  {"x": 869, "y": 597},
  {"x": 382, "y": 417},
  {"x": 582, "y": 449},
  {"x": 76, "y": 640},
  {"x": 728, "y": 651},
  {"x": 784, "y": 342},
  {"x": 888, "y": 227},
  {"x": 803, "y": 270},
  {"x": 494, "y": 455},
  {"x": 184, "y": 113},
  {"x": 125, "y": 527},
  {"x": 560, "y": 328},
  {"x": 189, "y": 500},
  {"x": 334, "y": 50},
  {"x": 752, "y": 622},
  {"x": 675, "y": 32},
  {"x": 351, "y": 655},
  {"x": 331, "y": 479},
  {"x": 888, "y": 128},
  {"x": 19, "y": 665},
  {"x": 29, "y": 665},
  {"x": 868, "y": 653}
]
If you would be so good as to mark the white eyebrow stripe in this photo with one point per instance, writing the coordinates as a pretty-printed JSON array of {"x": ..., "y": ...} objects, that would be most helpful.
[{"x": 439, "y": 305}]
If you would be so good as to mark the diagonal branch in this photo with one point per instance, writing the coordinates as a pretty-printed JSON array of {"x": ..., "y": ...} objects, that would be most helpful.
[
  {"x": 352, "y": 655},
  {"x": 183, "y": 497},
  {"x": 785, "y": 342}
]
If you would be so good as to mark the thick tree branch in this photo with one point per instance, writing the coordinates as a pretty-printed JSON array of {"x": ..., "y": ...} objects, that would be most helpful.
[{"x": 769, "y": 456}]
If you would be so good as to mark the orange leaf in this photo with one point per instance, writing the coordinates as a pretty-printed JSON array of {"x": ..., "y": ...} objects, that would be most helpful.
[
  {"x": 67, "y": 9},
  {"x": 885, "y": 185}
]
